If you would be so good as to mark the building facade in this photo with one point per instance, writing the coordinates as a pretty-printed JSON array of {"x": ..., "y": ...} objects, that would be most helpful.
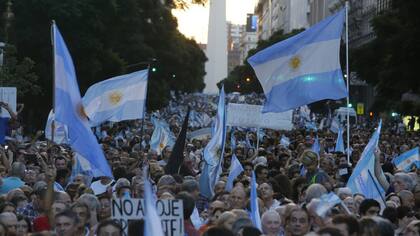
[{"x": 234, "y": 44}]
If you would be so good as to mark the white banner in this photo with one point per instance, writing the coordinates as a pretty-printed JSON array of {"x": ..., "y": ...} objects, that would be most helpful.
[
  {"x": 171, "y": 213},
  {"x": 245, "y": 115},
  {"x": 8, "y": 95}
]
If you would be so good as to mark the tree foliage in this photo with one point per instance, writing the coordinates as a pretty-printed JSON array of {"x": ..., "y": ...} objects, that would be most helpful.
[
  {"x": 390, "y": 61},
  {"x": 107, "y": 38},
  {"x": 242, "y": 78}
]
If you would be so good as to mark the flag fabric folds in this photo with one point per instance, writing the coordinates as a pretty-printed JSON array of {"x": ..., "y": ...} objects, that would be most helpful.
[
  {"x": 69, "y": 110},
  {"x": 407, "y": 159},
  {"x": 117, "y": 99},
  {"x": 255, "y": 210},
  {"x": 316, "y": 147},
  {"x": 162, "y": 136},
  {"x": 304, "y": 68},
  {"x": 152, "y": 221},
  {"x": 60, "y": 131},
  {"x": 285, "y": 141},
  {"x": 339, "y": 145},
  {"x": 213, "y": 152},
  {"x": 327, "y": 201},
  {"x": 177, "y": 156},
  {"x": 363, "y": 180},
  {"x": 235, "y": 170}
]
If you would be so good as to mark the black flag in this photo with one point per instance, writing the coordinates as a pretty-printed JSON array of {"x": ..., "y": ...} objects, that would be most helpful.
[{"x": 177, "y": 157}]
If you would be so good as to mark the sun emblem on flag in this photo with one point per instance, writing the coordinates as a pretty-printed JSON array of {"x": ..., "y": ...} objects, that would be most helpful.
[
  {"x": 408, "y": 161},
  {"x": 295, "y": 62},
  {"x": 115, "y": 97},
  {"x": 161, "y": 145}
]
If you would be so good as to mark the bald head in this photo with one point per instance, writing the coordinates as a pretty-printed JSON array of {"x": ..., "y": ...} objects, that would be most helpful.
[
  {"x": 237, "y": 198},
  {"x": 271, "y": 223}
]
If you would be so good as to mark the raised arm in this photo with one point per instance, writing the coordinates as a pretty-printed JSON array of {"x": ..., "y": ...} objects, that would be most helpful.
[{"x": 378, "y": 171}]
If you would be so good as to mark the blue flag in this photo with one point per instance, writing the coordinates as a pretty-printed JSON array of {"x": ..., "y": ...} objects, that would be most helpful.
[
  {"x": 234, "y": 171},
  {"x": 69, "y": 110},
  {"x": 362, "y": 179},
  {"x": 232, "y": 140},
  {"x": 117, "y": 99},
  {"x": 327, "y": 201},
  {"x": 285, "y": 141},
  {"x": 316, "y": 147},
  {"x": 304, "y": 68},
  {"x": 407, "y": 159},
  {"x": 255, "y": 210},
  {"x": 339, "y": 145},
  {"x": 213, "y": 152}
]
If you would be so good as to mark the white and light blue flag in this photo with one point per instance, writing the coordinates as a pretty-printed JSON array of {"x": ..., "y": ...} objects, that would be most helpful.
[
  {"x": 304, "y": 68},
  {"x": 234, "y": 171},
  {"x": 285, "y": 141},
  {"x": 339, "y": 145},
  {"x": 363, "y": 179},
  {"x": 60, "y": 131},
  {"x": 117, "y": 99},
  {"x": 69, "y": 110},
  {"x": 152, "y": 221},
  {"x": 316, "y": 147},
  {"x": 407, "y": 159},
  {"x": 327, "y": 201},
  {"x": 162, "y": 136},
  {"x": 213, "y": 152},
  {"x": 255, "y": 210}
]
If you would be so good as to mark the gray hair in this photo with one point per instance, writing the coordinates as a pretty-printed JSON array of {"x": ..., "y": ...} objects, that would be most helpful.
[
  {"x": 90, "y": 200},
  {"x": 406, "y": 179},
  {"x": 314, "y": 191}
]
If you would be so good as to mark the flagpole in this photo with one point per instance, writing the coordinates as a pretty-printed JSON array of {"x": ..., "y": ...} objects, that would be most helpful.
[
  {"x": 258, "y": 140},
  {"x": 145, "y": 102},
  {"x": 53, "y": 80},
  {"x": 347, "y": 80}
]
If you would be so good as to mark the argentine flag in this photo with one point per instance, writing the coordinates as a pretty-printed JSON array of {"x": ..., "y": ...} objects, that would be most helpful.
[
  {"x": 161, "y": 137},
  {"x": 407, "y": 159},
  {"x": 117, "y": 99},
  {"x": 304, "y": 68}
]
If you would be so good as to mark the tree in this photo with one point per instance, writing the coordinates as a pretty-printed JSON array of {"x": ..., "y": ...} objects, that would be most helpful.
[
  {"x": 242, "y": 78},
  {"x": 105, "y": 38},
  {"x": 390, "y": 61}
]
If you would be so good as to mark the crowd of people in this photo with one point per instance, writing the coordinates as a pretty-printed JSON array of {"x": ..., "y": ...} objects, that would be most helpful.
[{"x": 42, "y": 194}]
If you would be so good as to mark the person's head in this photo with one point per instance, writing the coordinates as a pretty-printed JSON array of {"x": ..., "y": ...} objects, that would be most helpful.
[
  {"x": 82, "y": 211},
  {"x": 226, "y": 220},
  {"x": 7, "y": 207},
  {"x": 394, "y": 198},
  {"x": 314, "y": 191},
  {"x": 109, "y": 228},
  {"x": 407, "y": 198},
  {"x": 358, "y": 199},
  {"x": 402, "y": 181},
  {"x": 3, "y": 230},
  {"x": 191, "y": 186},
  {"x": 265, "y": 191},
  {"x": 405, "y": 215},
  {"x": 237, "y": 198},
  {"x": 60, "y": 163},
  {"x": 18, "y": 170},
  {"x": 23, "y": 226},
  {"x": 348, "y": 225},
  {"x": 309, "y": 159},
  {"x": 218, "y": 231},
  {"x": 105, "y": 207},
  {"x": 58, "y": 207},
  {"x": 91, "y": 201},
  {"x": 329, "y": 231},
  {"x": 413, "y": 229},
  {"x": 63, "y": 197},
  {"x": 298, "y": 222},
  {"x": 219, "y": 187},
  {"x": 9, "y": 220},
  {"x": 67, "y": 223},
  {"x": 261, "y": 173},
  {"x": 188, "y": 203},
  {"x": 271, "y": 223},
  {"x": 239, "y": 224},
  {"x": 123, "y": 188},
  {"x": 369, "y": 207}
]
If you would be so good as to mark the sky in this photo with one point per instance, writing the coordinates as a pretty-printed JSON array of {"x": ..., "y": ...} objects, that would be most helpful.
[{"x": 193, "y": 21}]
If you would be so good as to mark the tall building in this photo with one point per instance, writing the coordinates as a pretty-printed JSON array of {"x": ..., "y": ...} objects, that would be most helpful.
[
  {"x": 286, "y": 15},
  {"x": 216, "y": 51},
  {"x": 249, "y": 38},
  {"x": 319, "y": 9},
  {"x": 234, "y": 44}
]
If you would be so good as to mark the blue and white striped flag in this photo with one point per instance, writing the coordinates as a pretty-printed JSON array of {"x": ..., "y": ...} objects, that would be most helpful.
[
  {"x": 327, "y": 201},
  {"x": 255, "y": 210},
  {"x": 162, "y": 136},
  {"x": 117, "y": 99},
  {"x": 304, "y": 68},
  {"x": 213, "y": 152},
  {"x": 69, "y": 110},
  {"x": 407, "y": 159},
  {"x": 363, "y": 180},
  {"x": 234, "y": 171},
  {"x": 152, "y": 221},
  {"x": 339, "y": 145}
]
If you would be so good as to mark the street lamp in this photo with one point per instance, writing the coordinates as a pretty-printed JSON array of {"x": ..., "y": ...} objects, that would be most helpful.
[{"x": 248, "y": 79}]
